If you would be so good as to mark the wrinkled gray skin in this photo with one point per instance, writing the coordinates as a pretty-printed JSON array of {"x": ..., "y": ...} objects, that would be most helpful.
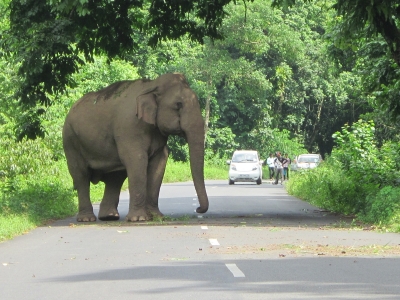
[{"x": 121, "y": 131}]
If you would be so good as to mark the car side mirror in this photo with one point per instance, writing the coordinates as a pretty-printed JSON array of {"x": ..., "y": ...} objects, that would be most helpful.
[
  {"x": 228, "y": 162},
  {"x": 261, "y": 162}
]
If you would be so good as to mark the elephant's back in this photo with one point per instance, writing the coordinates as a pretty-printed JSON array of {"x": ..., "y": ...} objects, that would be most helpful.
[
  {"x": 95, "y": 104},
  {"x": 111, "y": 92},
  {"x": 97, "y": 111}
]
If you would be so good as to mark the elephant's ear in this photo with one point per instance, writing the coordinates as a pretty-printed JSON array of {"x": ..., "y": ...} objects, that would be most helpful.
[{"x": 147, "y": 108}]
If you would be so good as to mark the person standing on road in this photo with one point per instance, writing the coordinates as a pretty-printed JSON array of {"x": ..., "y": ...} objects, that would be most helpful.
[
  {"x": 278, "y": 162},
  {"x": 286, "y": 167},
  {"x": 271, "y": 166}
]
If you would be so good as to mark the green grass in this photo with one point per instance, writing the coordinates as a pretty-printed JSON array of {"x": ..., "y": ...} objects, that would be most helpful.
[
  {"x": 179, "y": 172},
  {"x": 12, "y": 225},
  {"x": 33, "y": 199},
  {"x": 331, "y": 188}
]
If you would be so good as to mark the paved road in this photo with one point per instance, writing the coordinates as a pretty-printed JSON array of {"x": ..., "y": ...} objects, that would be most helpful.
[{"x": 256, "y": 242}]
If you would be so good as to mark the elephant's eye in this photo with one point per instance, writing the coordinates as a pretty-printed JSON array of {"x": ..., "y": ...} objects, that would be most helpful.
[{"x": 179, "y": 105}]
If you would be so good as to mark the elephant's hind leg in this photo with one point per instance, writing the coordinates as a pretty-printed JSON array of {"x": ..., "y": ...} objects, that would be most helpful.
[
  {"x": 85, "y": 213},
  {"x": 108, "y": 206},
  {"x": 81, "y": 180}
]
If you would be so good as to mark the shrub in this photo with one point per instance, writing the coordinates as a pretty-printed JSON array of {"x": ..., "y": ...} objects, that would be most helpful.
[
  {"x": 361, "y": 159},
  {"x": 329, "y": 187},
  {"x": 382, "y": 208},
  {"x": 25, "y": 157}
]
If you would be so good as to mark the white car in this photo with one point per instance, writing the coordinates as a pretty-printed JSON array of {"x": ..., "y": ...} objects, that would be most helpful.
[
  {"x": 245, "y": 166},
  {"x": 306, "y": 161}
]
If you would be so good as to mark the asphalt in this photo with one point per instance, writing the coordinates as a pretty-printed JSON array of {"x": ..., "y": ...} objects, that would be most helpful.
[{"x": 255, "y": 242}]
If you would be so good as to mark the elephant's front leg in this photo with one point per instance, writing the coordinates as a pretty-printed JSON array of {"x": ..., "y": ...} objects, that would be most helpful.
[
  {"x": 155, "y": 174},
  {"x": 137, "y": 177}
]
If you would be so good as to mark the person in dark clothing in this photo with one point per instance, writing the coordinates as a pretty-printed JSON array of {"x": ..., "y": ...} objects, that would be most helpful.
[{"x": 279, "y": 161}]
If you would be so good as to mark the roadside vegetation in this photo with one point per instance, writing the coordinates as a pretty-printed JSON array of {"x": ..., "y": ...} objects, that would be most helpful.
[
  {"x": 280, "y": 80},
  {"x": 357, "y": 179}
]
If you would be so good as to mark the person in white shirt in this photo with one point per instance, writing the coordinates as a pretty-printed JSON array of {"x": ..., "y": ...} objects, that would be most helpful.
[{"x": 271, "y": 166}]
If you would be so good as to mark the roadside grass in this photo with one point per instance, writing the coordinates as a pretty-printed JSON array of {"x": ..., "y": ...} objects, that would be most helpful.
[
  {"x": 330, "y": 187},
  {"x": 33, "y": 199},
  {"x": 12, "y": 225},
  {"x": 180, "y": 171},
  {"x": 36, "y": 198}
]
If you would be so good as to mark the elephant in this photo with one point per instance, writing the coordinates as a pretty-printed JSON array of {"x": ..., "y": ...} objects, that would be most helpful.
[{"x": 121, "y": 132}]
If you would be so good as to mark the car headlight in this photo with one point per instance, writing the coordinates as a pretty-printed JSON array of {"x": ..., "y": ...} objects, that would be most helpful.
[
  {"x": 254, "y": 168},
  {"x": 233, "y": 167}
]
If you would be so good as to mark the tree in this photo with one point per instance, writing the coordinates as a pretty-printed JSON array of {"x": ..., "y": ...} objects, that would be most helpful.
[
  {"x": 47, "y": 38},
  {"x": 364, "y": 21}
]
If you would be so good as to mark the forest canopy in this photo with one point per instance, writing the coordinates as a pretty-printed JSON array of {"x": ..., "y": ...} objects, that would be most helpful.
[
  {"x": 294, "y": 76},
  {"x": 307, "y": 67}
]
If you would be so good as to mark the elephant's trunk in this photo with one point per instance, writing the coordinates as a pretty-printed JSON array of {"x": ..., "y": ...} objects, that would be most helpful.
[{"x": 196, "y": 151}]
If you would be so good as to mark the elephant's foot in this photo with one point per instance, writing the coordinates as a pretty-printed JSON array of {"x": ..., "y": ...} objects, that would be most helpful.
[
  {"x": 137, "y": 215},
  {"x": 154, "y": 212},
  {"x": 86, "y": 217},
  {"x": 108, "y": 214}
]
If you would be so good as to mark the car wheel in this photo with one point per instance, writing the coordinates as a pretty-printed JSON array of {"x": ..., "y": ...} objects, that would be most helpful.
[
  {"x": 259, "y": 181},
  {"x": 231, "y": 182}
]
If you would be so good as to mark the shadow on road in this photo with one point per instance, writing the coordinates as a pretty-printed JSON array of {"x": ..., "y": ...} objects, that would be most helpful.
[{"x": 327, "y": 278}]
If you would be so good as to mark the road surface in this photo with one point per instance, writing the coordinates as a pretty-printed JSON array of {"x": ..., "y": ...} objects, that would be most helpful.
[{"x": 255, "y": 242}]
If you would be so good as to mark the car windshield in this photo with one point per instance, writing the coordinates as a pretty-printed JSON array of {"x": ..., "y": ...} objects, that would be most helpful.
[
  {"x": 244, "y": 157},
  {"x": 308, "y": 159}
]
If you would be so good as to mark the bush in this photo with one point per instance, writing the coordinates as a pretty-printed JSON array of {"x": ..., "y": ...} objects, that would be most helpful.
[
  {"x": 328, "y": 187},
  {"x": 360, "y": 157},
  {"x": 382, "y": 208},
  {"x": 25, "y": 157},
  {"x": 357, "y": 179}
]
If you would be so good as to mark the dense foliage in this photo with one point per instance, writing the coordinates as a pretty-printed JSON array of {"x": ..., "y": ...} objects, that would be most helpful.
[
  {"x": 50, "y": 40},
  {"x": 281, "y": 79}
]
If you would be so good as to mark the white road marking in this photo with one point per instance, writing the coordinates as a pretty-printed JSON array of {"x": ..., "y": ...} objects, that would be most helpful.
[
  {"x": 235, "y": 270},
  {"x": 194, "y": 204},
  {"x": 194, "y": 199},
  {"x": 204, "y": 227},
  {"x": 214, "y": 242}
]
